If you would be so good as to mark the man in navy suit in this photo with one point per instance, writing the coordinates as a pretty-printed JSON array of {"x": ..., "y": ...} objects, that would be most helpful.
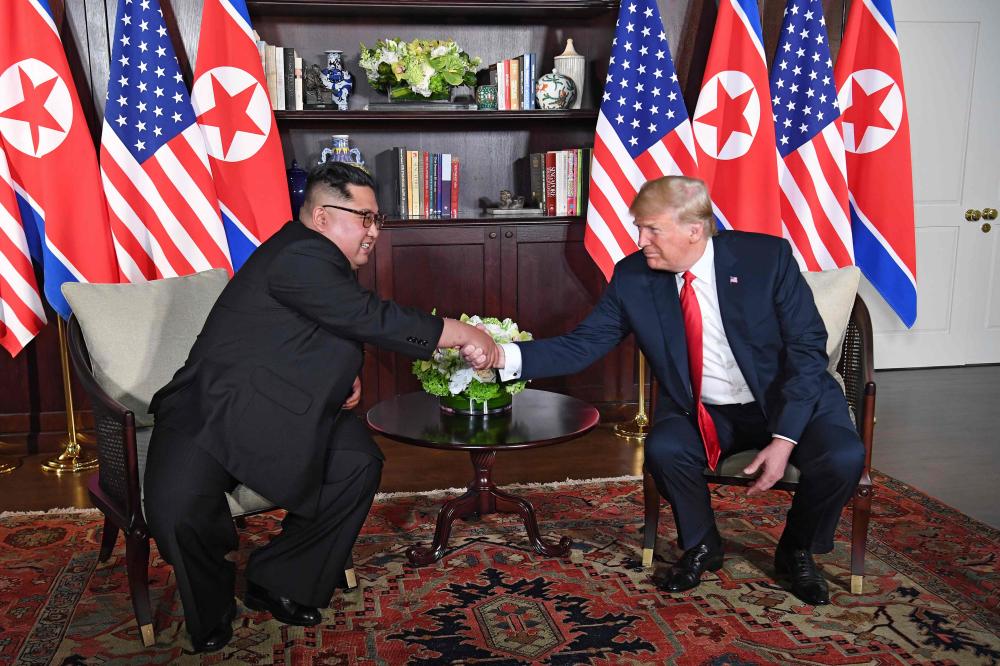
[{"x": 763, "y": 376}]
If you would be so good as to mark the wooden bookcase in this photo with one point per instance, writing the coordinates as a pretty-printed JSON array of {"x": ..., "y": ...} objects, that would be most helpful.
[{"x": 532, "y": 269}]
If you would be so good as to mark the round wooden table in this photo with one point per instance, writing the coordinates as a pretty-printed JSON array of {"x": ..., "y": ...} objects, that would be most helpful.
[{"x": 538, "y": 418}]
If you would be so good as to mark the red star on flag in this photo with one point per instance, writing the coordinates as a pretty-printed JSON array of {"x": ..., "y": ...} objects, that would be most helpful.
[
  {"x": 864, "y": 111},
  {"x": 230, "y": 114},
  {"x": 32, "y": 108},
  {"x": 727, "y": 116}
]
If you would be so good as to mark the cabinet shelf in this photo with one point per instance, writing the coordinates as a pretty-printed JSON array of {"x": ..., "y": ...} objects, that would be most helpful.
[
  {"x": 503, "y": 10},
  {"x": 472, "y": 218},
  {"x": 470, "y": 120}
]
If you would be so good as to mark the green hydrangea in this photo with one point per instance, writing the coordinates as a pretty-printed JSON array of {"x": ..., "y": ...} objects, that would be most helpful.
[
  {"x": 427, "y": 67},
  {"x": 445, "y": 373}
]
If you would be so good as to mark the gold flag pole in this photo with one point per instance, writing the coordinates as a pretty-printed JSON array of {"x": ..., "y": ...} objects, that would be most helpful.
[
  {"x": 637, "y": 428},
  {"x": 73, "y": 458}
]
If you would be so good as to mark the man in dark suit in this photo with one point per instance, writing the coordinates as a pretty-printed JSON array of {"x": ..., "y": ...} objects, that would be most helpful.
[
  {"x": 732, "y": 333},
  {"x": 263, "y": 400}
]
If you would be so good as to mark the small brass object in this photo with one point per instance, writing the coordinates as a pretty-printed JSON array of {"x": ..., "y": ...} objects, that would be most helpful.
[
  {"x": 972, "y": 215},
  {"x": 989, "y": 213},
  {"x": 986, "y": 227}
]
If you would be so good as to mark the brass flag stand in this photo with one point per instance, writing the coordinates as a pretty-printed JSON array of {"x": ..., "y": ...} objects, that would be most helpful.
[
  {"x": 73, "y": 458},
  {"x": 5, "y": 466},
  {"x": 637, "y": 428}
]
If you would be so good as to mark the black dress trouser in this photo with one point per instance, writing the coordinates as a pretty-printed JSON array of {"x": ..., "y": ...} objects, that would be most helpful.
[
  {"x": 188, "y": 515},
  {"x": 829, "y": 455}
]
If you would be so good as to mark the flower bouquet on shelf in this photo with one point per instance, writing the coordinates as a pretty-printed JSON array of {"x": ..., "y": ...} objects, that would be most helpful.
[
  {"x": 419, "y": 70},
  {"x": 463, "y": 390}
]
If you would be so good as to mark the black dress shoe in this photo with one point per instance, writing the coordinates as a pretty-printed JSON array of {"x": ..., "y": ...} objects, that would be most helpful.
[
  {"x": 686, "y": 573},
  {"x": 282, "y": 609},
  {"x": 220, "y": 636},
  {"x": 807, "y": 583}
]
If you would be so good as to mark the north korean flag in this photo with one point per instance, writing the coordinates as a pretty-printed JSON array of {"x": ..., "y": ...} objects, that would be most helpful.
[
  {"x": 733, "y": 124},
  {"x": 51, "y": 154},
  {"x": 869, "y": 79},
  {"x": 230, "y": 99}
]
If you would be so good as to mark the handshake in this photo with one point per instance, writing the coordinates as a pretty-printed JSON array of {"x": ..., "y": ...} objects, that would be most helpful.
[{"x": 475, "y": 343}]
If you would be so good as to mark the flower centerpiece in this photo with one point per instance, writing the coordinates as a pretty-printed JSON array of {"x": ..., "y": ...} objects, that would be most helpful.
[
  {"x": 461, "y": 388},
  {"x": 422, "y": 69}
]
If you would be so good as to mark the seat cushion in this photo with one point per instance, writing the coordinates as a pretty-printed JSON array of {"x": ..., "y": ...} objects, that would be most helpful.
[
  {"x": 735, "y": 464},
  {"x": 139, "y": 335},
  {"x": 834, "y": 292},
  {"x": 242, "y": 500}
]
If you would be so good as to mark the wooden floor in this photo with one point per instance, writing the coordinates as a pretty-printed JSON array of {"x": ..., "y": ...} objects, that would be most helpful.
[{"x": 938, "y": 430}]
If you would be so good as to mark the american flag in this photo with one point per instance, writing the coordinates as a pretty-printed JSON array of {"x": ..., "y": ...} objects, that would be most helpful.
[
  {"x": 21, "y": 312},
  {"x": 163, "y": 208},
  {"x": 643, "y": 131},
  {"x": 812, "y": 167}
]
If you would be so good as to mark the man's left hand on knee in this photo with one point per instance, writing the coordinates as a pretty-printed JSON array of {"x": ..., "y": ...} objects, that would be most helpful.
[{"x": 772, "y": 459}]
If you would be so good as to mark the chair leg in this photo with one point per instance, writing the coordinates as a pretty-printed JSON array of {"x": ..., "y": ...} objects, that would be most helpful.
[
  {"x": 859, "y": 536},
  {"x": 651, "y": 500},
  {"x": 109, "y": 535},
  {"x": 349, "y": 575},
  {"x": 137, "y": 562}
]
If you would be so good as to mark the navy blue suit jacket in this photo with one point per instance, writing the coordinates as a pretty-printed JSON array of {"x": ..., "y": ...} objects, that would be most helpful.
[{"x": 768, "y": 312}]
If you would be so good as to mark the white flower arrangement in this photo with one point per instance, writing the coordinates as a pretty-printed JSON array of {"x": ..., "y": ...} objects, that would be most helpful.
[
  {"x": 422, "y": 67},
  {"x": 447, "y": 373}
]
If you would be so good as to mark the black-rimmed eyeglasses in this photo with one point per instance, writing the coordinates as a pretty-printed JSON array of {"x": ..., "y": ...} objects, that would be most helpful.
[{"x": 368, "y": 218}]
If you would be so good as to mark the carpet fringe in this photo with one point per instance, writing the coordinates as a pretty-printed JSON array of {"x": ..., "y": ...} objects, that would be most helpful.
[
  {"x": 520, "y": 486},
  {"x": 66, "y": 509}
]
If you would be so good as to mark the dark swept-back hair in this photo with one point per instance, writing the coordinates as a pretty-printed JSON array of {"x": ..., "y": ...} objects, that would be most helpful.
[{"x": 337, "y": 176}]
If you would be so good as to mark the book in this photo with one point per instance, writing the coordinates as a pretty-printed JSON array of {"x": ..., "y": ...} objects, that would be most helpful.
[
  {"x": 298, "y": 84},
  {"x": 289, "y": 76},
  {"x": 387, "y": 179},
  {"x": 446, "y": 184},
  {"x": 515, "y": 83},
  {"x": 270, "y": 75},
  {"x": 550, "y": 182},
  {"x": 571, "y": 183},
  {"x": 413, "y": 183},
  {"x": 425, "y": 197},
  {"x": 561, "y": 182},
  {"x": 503, "y": 95},
  {"x": 455, "y": 170},
  {"x": 279, "y": 78}
]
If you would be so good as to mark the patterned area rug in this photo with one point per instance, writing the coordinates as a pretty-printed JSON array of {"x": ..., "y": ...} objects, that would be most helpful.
[{"x": 931, "y": 594}]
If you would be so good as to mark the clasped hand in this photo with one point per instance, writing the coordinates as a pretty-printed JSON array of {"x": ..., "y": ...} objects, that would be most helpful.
[{"x": 480, "y": 351}]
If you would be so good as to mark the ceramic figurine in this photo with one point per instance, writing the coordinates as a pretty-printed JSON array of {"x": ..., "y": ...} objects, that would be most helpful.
[{"x": 337, "y": 79}]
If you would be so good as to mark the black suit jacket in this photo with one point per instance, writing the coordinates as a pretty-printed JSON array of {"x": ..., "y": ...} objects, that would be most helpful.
[
  {"x": 266, "y": 378},
  {"x": 768, "y": 312}
]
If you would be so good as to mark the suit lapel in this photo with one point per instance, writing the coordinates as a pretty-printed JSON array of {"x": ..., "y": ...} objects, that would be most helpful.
[
  {"x": 730, "y": 285},
  {"x": 663, "y": 287}
]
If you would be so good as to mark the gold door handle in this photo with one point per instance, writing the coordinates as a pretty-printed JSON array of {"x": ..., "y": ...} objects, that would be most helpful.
[
  {"x": 989, "y": 213},
  {"x": 986, "y": 227},
  {"x": 973, "y": 215}
]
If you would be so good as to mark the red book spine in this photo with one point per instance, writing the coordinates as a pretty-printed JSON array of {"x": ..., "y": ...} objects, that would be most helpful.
[
  {"x": 426, "y": 184},
  {"x": 506, "y": 88},
  {"x": 550, "y": 183},
  {"x": 454, "y": 186}
]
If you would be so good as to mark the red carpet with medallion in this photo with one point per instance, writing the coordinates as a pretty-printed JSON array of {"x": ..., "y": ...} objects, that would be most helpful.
[{"x": 932, "y": 593}]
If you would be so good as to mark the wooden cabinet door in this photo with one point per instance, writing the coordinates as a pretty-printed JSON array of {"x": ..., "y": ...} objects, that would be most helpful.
[
  {"x": 549, "y": 285},
  {"x": 452, "y": 269}
]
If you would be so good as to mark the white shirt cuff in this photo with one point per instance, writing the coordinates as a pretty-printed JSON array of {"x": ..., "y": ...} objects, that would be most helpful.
[
  {"x": 787, "y": 439},
  {"x": 512, "y": 362}
]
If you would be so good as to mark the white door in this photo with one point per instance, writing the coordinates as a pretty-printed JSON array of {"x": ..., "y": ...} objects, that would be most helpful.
[{"x": 951, "y": 68}]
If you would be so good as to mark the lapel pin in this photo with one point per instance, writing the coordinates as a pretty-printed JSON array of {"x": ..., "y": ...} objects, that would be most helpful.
[{"x": 733, "y": 279}]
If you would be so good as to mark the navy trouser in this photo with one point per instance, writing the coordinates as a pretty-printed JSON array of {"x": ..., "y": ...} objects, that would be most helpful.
[{"x": 829, "y": 455}]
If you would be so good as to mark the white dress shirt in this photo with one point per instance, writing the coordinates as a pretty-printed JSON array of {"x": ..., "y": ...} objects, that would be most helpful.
[{"x": 722, "y": 381}]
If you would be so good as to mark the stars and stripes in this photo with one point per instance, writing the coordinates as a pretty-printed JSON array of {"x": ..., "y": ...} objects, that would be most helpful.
[
  {"x": 812, "y": 168},
  {"x": 161, "y": 198},
  {"x": 643, "y": 131},
  {"x": 51, "y": 206},
  {"x": 21, "y": 312},
  {"x": 869, "y": 78}
]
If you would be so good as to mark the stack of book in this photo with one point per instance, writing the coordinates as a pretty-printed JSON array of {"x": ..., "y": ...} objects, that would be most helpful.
[
  {"x": 515, "y": 82},
  {"x": 556, "y": 181},
  {"x": 417, "y": 183},
  {"x": 283, "y": 73}
]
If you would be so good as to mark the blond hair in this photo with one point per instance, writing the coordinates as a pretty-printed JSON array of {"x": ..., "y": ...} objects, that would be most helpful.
[{"x": 685, "y": 198}]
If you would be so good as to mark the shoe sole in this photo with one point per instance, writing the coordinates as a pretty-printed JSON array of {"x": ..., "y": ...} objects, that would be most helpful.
[{"x": 254, "y": 603}]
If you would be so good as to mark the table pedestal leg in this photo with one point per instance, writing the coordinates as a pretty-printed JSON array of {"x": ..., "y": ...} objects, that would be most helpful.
[{"x": 481, "y": 498}]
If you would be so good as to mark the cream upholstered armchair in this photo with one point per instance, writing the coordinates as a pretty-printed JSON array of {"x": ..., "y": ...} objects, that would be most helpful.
[
  {"x": 126, "y": 341},
  {"x": 849, "y": 346}
]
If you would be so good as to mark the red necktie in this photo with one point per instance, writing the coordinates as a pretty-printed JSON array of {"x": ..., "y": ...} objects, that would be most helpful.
[{"x": 693, "y": 332}]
